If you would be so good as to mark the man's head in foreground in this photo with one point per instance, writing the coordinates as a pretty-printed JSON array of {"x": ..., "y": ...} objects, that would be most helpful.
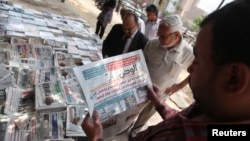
[{"x": 220, "y": 73}]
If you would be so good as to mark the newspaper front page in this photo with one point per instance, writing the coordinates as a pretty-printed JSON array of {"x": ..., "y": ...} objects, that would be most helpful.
[
  {"x": 49, "y": 97},
  {"x": 19, "y": 102},
  {"x": 116, "y": 88}
]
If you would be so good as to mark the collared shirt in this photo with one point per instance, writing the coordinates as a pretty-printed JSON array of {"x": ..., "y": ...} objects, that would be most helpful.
[
  {"x": 129, "y": 41},
  {"x": 164, "y": 64},
  {"x": 175, "y": 126},
  {"x": 142, "y": 25},
  {"x": 151, "y": 29}
]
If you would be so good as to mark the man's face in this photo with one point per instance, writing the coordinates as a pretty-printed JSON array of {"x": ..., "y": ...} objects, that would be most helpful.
[
  {"x": 204, "y": 77},
  {"x": 129, "y": 25},
  {"x": 165, "y": 36},
  {"x": 151, "y": 16}
]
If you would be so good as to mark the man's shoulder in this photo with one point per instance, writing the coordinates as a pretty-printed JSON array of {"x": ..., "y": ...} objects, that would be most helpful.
[
  {"x": 186, "y": 46},
  {"x": 117, "y": 26},
  {"x": 152, "y": 44}
]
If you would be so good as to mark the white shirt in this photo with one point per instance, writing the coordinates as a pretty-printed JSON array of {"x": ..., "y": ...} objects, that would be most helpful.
[
  {"x": 142, "y": 25},
  {"x": 151, "y": 29},
  {"x": 165, "y": 65}
]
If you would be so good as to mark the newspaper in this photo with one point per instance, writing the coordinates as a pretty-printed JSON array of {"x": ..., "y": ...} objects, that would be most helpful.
[
  {"x": 24, "y": 77},
  {"x": 75, "y": 116},
  {"x": 17, "y": 41},
  {"x": 111, "y": 86},
  {"x": 49, "y": 97},
  {"x": 64, "y": 60},
  {"x": 22, "y": 50},
  {"x": 46, "y": 75},
  {"x": 43, "y": 52},
  {"x": 73, "y": 92},
  {"x": 2, "y": 102},
  {"x": 19, "y": 102},
  {"x": 6, "y": 77},
  {"x": 53, "y": 125},
  {"x": 22, "y": 128},
  {"x": 31, "y": 63},
  {"x": 3, "y": 127}
]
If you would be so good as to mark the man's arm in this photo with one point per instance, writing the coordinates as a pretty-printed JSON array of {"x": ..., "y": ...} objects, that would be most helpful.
[
  {"x": 162, "y": 108},
  {"x": 176, "y": 87}
]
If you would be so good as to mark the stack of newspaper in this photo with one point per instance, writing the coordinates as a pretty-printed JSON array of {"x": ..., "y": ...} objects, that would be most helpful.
[{"x": 42, "y": 98}]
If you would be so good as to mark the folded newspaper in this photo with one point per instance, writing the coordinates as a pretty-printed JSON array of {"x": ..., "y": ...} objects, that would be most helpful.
[
  {"x": 49, "y": 97},
  {"x": 75, "y": 116},
  {"x": 52, "y": 125},
  {"x": 19, "y": 102},
  {"x": 116, "y": 88}
]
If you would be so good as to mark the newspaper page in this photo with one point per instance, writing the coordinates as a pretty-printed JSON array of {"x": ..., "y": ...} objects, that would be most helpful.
[
  {"x": 46, "y": 75},
  {"x": 4, "y": 55},
  {"x": 22, "y": 50},
  {"x": 6, "y": 77},
  {"x": 31, "y": 63},
  {"x": 22, "y": 128},
  {"x": 19, "y": 102},
  {"x": 49, "y": 96},
  {"x": 111, "y": 86},
  {"x": 72, "y": 90},
  {"x": 53, "y": 125},
  {"x": 64, "y": 60},
  {"x": 43, "y": 52},
  {"x": 3, "y": 127},
  {"x": 24, "y": 78},
  {"x": 75, "y": 116},
  {"x": 2, "y": 101}
]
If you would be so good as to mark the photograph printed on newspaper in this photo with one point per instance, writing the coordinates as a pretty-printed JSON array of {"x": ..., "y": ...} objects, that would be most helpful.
[
  {"x": 53, "y": 125},
  {"x": 19, "y": 102},
  {"x": 115, "y": 86},
  {"x": 75, "y": 117}
]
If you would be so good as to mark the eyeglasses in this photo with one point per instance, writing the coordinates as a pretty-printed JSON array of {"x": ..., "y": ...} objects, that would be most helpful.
[{"x": 166, "y": 37}]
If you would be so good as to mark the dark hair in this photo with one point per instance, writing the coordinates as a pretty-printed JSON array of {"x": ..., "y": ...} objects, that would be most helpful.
[
  {"x": 131, "y": 13},
  {"x": 152, "y": 8},
  {"x": 110, "y": 3},
  {"x": 230, "y": 33}
]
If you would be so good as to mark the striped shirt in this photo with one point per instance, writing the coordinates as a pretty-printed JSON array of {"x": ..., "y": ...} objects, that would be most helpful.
[{"x": 175, "y": 127}]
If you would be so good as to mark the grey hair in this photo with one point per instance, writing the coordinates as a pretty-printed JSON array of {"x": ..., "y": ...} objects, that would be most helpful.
[{"x": 174, "y": 22}]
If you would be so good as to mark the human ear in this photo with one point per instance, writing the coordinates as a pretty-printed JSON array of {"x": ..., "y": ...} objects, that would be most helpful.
[{"x": 239, "y": 78}]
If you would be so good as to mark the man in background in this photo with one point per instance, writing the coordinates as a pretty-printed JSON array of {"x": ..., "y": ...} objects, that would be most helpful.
[
  {"x": 152, "y": 22},
  {"x": 166, "y": 57},
  {"x": 124, "y": 37}
]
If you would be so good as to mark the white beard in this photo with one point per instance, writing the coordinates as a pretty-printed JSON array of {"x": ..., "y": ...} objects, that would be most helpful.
[{"x": 168, "y": 46}]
